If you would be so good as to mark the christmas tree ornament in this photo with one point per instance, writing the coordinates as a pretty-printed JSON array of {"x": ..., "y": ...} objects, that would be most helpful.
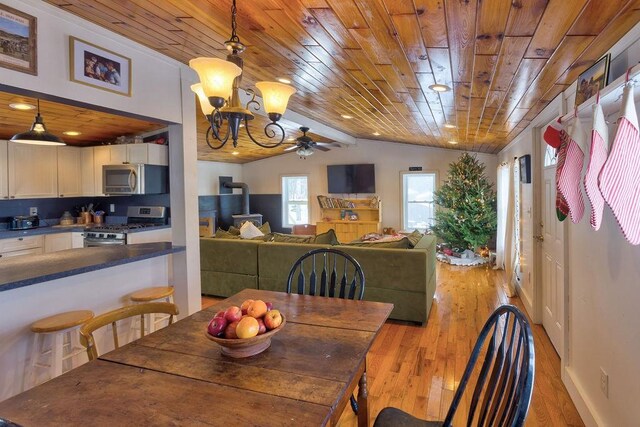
[
  {"x": 597, "y": 158},
  {"x": 620, "y": 177}
]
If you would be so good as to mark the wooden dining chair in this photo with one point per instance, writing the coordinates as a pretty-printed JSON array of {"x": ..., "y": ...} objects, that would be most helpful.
[
  {"x": 331, "y": 273},
  {"x": 111, "y": 317},
  {"x": 8, "y": 423},
  {"x": 327, "y": 272},
  {"x": 502, "y": 394}
]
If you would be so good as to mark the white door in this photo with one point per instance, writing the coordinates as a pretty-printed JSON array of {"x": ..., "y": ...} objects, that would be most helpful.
[{"x": 552, "y": 255}]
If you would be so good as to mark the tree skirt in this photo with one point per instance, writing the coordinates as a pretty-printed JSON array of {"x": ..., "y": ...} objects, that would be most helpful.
[{"x": 478, "y": 260}]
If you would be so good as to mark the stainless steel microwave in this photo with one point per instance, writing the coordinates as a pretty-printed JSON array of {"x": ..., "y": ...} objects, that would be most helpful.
[{"x": 135, "y": 178}]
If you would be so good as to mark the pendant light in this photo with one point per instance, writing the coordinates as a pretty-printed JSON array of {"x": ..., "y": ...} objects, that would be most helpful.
[{"x": 38, "y": 134}]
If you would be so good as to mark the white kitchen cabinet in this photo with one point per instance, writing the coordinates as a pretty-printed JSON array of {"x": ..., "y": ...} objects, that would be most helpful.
[
  {"x": 69, "y": 167},
  {"x": 149, "y": 236},
  {"x": 24, "y": 245},
  {"x": 101, "y": 157},
  {"x": 87, "y": 175},
  {"x": 4, "y": 184},
  {"x": 33, "y": 171},
  {"x": 57, "y": 242},
  {"x": 77, "y": 239},
  {"x": 118, "y": 154},
  {"x": 151, "y": 154}
]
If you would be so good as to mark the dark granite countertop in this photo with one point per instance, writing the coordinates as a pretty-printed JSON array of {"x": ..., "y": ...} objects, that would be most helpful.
[
  {"x": 7, "y": 234},
  {"x": 17, "y": 272}
]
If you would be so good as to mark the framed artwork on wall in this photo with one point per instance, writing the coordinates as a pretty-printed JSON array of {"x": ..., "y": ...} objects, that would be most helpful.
[
  {"x": 525, "y": 169},
  {"x": 94, "y": 66},
  {"x": 18, "y": 37},
  {"x": 593, "y": 80}
]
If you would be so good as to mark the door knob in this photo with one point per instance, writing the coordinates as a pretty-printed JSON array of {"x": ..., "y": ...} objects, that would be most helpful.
[{"x": 539, "y": 238}]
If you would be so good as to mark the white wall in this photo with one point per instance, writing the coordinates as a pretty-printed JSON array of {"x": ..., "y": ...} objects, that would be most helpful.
[
  {"x": 150, "y": 70},
  {"x": 603, "y": 299},
  {"x": 263, "y": 176},
  {"x": 208, "y": 173}
]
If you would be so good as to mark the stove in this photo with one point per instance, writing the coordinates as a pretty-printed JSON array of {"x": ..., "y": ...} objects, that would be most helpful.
[{"x": 116, "y": 234}]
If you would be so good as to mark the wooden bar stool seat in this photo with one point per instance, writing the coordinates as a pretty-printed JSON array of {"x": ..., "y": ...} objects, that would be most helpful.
[
  {"x": 146, "y": 295},
  {"x": 55, "y": 338}
]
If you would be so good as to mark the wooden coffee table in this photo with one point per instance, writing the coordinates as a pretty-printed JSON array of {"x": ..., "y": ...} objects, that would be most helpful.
[{"x": 176, "y": 376}]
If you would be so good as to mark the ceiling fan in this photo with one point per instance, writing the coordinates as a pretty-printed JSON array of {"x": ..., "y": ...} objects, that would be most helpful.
[{"x": 305, "y": 146}]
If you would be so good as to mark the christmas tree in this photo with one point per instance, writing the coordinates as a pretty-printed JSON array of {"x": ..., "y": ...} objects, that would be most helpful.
[{"x": 467, "y": 216}]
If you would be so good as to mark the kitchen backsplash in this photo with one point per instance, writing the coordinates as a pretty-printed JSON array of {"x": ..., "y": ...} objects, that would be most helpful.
[{"x": 54, "y": 208}]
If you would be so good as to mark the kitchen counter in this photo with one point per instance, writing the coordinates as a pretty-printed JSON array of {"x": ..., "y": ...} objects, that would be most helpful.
[
  {"x": 23, "y": 271},
  {"x": 7, "y": 234}
]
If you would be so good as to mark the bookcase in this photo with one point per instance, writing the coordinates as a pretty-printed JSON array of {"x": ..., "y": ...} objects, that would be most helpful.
[{"x": 336, "y": 214}]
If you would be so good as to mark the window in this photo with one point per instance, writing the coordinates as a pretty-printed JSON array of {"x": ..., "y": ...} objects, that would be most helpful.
[
  {"x": 295, "y": 200},
  {"x": 418, "y": 211}
]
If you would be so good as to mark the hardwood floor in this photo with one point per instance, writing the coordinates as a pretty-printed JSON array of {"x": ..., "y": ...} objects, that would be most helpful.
[{"x": 417, "y": 368}]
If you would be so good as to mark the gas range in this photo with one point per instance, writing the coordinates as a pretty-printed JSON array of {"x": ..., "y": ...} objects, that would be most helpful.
[{"x": 116, "y": 234}]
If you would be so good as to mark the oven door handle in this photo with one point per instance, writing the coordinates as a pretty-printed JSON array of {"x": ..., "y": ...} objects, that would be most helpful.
[
  {"x": 133, "y": 180},
  {"x": 101, "y": 242}
]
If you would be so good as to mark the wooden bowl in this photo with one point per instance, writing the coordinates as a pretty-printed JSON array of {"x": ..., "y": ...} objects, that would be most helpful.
[{"x": 239, "y": 348}]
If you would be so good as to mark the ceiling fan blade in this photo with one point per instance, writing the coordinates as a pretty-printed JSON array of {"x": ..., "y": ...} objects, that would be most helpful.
[
  {"x": 328, "y": 144},
  {"x": 321, "y": 148},
  {"x": 293, "y": 147}
]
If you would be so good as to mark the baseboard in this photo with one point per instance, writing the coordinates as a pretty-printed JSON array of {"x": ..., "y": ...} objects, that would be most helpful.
[
  {"x": 590, "y": 418},
  {"x": 526, "y": 300}
]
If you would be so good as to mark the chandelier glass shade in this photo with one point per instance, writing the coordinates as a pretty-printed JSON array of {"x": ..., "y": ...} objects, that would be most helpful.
[
  {"x": 38, "y": 134},
  {"x": 218, "y": 93}
]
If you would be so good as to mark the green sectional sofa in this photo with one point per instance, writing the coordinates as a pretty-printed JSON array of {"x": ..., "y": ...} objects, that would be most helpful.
[{"x": 404, "y": 277}]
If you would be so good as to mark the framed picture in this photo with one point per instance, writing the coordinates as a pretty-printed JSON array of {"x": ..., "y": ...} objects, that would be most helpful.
[
  {"x": 18, "y": 40},
  {"x": 525, "y": 169},
  {"x": 98, "y": 67},
  {"x": 593, "y": 80}
]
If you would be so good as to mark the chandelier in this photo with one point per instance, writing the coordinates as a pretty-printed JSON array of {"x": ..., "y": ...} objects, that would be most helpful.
[{"x": 220, "y": 102}]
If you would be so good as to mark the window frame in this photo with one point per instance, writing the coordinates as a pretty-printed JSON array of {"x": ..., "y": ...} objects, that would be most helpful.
[
  {"x": 403, "y": 209},
  {"x": 285, "y": 203}
]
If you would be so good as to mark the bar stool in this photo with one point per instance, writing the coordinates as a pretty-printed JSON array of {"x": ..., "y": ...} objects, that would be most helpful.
[
  {"x": 62, "y": 331},
  {"x": 153, "y": 294}
]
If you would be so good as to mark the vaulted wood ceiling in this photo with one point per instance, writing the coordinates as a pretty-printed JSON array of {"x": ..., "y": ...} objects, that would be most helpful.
[{"x": 374, "y": 59}]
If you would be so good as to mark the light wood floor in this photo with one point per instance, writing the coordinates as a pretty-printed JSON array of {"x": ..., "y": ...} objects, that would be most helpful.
[{"x": 417, "y": 368}]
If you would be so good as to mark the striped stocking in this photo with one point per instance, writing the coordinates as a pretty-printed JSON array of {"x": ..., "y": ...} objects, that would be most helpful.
[{"x": 599, "y": 151}]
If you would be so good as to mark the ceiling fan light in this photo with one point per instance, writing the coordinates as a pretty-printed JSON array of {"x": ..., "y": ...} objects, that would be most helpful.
[
  {"x": 275, "y": 96},
  {"x": 205, "y": 105},
  {"x": 216, "y": 76},
  {"x": 304, "y": 152}
]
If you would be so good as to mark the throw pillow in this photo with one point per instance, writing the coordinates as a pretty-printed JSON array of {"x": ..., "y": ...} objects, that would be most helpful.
[
  {"x": 249, "y": 231},
  {"x": 265, "y": 228},
  {"x": 234, "y": 230},
  {"x": 327, "y": 238},
  {"x": 403, "y": 243},
  {"x": 292, "y": 238},
  {"x": 414, "y": 237},
  {"x": 222, "y": 234}
]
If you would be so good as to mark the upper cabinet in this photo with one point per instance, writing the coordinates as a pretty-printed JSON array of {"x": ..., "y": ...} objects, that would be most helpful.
[
  {"x": 87, "y": 177},
  {"x": 101, "y": 157},
  {"x": 4, "y": 185},
  {"x": 33, "y": 171},
  {"x": 151, "y": 154},
  {"x": 69, "y": 171}
]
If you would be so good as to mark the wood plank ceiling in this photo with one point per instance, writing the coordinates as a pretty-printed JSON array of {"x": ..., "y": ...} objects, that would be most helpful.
[{"x": 375, "y": 59}]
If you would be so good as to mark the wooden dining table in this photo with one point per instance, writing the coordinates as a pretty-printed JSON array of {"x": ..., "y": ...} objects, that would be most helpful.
[{"x": 176, "y": 376}]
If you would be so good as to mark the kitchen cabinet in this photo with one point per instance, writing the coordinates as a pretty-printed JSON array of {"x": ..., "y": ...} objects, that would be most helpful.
[
  {"x": 33, "y": 171},
  {"x": 57, "y": 242},
  {"x": 16, "y": 246},
  {"x": 4, "y": 184},
  {"x": 101, "y": 157},
  {"x": 149, "y": 236},
  {"x": 87, "y": 177},
  {"x": 151, "y": 154},
  {"x": 118, "y": 154},
  {"x": 69, "y": 165},
  {"x": 77, "y": 239}
]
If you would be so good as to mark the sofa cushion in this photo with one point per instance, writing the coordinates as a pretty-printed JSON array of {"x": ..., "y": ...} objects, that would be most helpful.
[
  {"x": 225, "y": 284},
  {"x": 221, "y": 234},
  {"x": 234, "y": 230},
  {"x": 327, "y": 238},
  {"x": 403, "y": 243},
  {"x": 414, "y": 237},
  {"x": 275, "y": 260},
  {"x": 229, "y": 255},
  {"x": 291, "y": 238}
]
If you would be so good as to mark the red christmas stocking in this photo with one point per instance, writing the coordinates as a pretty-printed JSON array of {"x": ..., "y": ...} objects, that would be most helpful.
[
  {"x": 599, "y": 152},
  {"x": 620, "y": 176},
  {"x": 571, "y": 173},
  {"x": 562, "y": 207}
]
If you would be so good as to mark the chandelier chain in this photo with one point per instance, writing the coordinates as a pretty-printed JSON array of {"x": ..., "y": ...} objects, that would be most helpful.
[{"x": 234, "y": 25}]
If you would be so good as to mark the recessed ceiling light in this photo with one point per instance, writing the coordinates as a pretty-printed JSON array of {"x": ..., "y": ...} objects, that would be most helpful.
[
  {"x": 440, "y": 88},
  {"x": 235, "y": 153},
  {"x": 291, "y": 138},
  {"x": 346, "y": 116},
  {"x": 376, "y": 133},
  {"x": 449, "y": 126},
  {"x": 22, "y": 106},
  {"x": 453, "y": 142},
  {"x": 241, "y": 125},
  {"x": 72, "y": 133},
  {"x": 283, "y": 80}
]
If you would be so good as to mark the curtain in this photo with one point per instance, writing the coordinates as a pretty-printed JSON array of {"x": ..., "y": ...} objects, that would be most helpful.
[
  {"x": 513, "y": 231},
  {"x": 507, "y": 254},
  {"x": 504, "y": 176}
]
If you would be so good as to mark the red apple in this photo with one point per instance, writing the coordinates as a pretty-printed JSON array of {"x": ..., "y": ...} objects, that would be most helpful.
[
  {"x": 220, "y": 314},
  {"x": 269, "y": 306},
  {"x": 245, "y": 305},
  {"x": 230, "y": 331},
  {"x": 261, "y": 327},
  {"x": 233, "y": 313},
  {"x": 272, "y": 319},
  {"x": 217, "y": 325},
  {"x": 247, "y": 328}
]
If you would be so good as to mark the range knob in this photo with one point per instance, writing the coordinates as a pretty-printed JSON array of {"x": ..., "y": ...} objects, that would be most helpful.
[{"x": 111, "y": 236}]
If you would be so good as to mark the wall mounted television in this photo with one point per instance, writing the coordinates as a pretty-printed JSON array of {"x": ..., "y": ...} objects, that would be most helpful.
[{"x": 351, "y": 178}]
